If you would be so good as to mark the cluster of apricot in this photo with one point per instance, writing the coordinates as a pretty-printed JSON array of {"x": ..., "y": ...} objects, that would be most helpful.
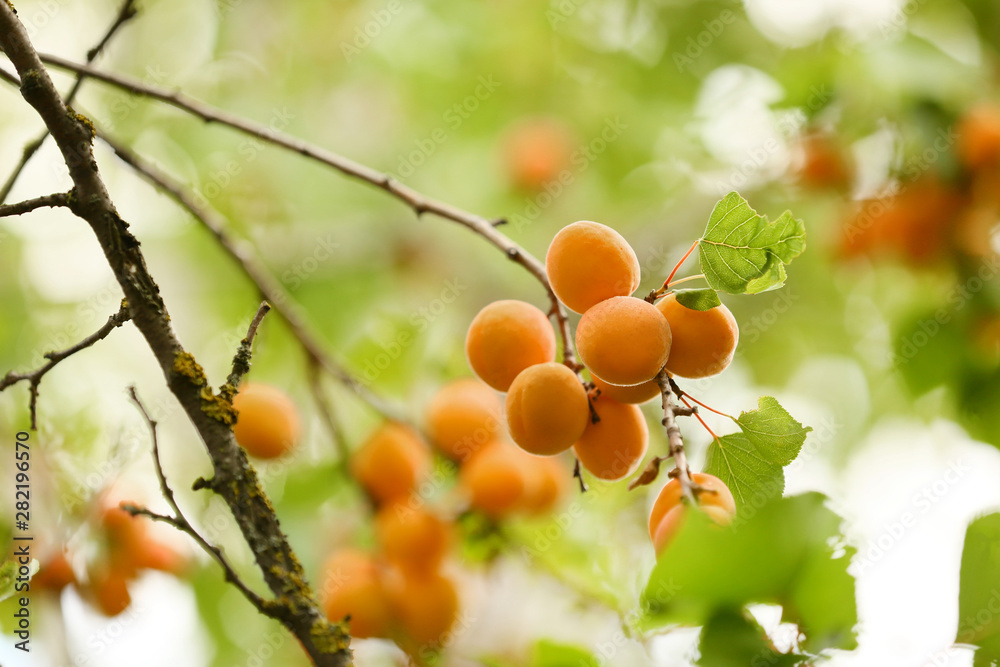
[
  {"x": 128, "y": 549},
  {"x": 402, "y": 591},
  {"x": 628, "y": 344}
]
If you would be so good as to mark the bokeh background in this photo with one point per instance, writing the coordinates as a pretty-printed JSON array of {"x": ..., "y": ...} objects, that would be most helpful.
[{"x": 856, "y": 115}]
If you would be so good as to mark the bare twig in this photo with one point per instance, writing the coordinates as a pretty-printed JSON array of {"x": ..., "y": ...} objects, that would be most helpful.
[
  {"x": 674, "y": 440},
  {"x": 34, "y": 378},
  {"x": 53, "y": 200},
  {"x": 578, "y": 475},
  {"x": 241, "y": 360},
  {"x": 180, "y": 522},
  {"x": 126, "y": 12},
  {"x": 234, "y": 478},
  {"x": 418, "y": 202},
  {"x": 326, "y": 413}
]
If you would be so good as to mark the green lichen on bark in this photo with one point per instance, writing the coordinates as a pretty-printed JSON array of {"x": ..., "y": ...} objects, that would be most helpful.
[
  {"x": 186, "y": 366},
  {"x": 217, "y": 407},
  {"x": 328, "y": 638}
]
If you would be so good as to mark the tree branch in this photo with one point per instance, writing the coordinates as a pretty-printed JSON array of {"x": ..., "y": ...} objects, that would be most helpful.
[
  {"x": 235, "y": 480},
  {"x": 418, "y": 202},
  {"x": 180, "y": 522},
  {"x": 52, "y": 201},
  {"x": 34, "y": 378},
  {"x": 676, "y": 443},
  {"x": 241, "y": 360},
  {"x": 268, "y": 288},
  {"x": 126, "y": 12}
]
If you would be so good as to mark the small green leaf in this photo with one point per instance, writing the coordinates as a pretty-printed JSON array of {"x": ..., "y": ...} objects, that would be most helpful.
[
  {"x": 979, "y": 589},
  {"x": 705, "y": 298},
  {"x": 731, "y": 639},
  {"x": 784, "y": 552},
  {"x": 547, "y": 653},
  {"x": 777, "y": 435},
  {"x": 742, "y": 252},
  {"x": 738, "y": 462}
]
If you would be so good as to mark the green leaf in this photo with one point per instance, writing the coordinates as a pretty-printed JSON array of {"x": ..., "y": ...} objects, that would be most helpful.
[
  {"x": 8, "y": 577},
  {"x": 751, "y": 477},
  {"x": 705, "y": 298},
  {"x": 731, "y": 639},
  {"x": 776, "y": 434},
  {"x": 779, "y": 553},
  {"x": 742, "y": 252},
  {"x": 547, "y": 653},
  {"x": 979, "y": 589}
]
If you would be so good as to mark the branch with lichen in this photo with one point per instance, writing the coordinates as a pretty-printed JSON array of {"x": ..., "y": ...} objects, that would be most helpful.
[
  {"x": 234, "y": 479},
  {"x": 34, "y": 378},
  {"x": 418, "y": 202}
]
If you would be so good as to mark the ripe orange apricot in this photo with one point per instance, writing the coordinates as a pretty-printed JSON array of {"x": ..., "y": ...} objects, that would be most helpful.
[
  {"x": 536, "y": 151},
  {"x": 613, "y": 447},
  {"x": 425, "y": 605},
  {"x": 155, "y": 555},
  {"x": 624, "y": 340},
  {"x": 546, "y": 409},
  {"x": 704, "y": 341},
  {"x": 55, "y": 575},
  {"x": 268, "y": 422},
  {"x": 588, "y": 262},
  {"x": 637, "y": 393},
  {"x": 823, "y": 164},
  {"x": 352, "y": 586},
  {"x": 494, "y": 479},
  {"x": 391, "y": 462},
  {"x": 506, "y": 337},
  {"x": 716, "y": 495},
  {"x": 979, "y": 137},
  {"x": 412, "y": 537},
  {"x": 548, "y": 486},
  {"x": 110, "y": 591},
  {"x": 463, "y": 416}
]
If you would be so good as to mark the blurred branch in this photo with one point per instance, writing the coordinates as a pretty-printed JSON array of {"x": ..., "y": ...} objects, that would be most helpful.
[
  {"x": 34, "y": 378},
  {"x": 126, "y": 12},
  {"x": 52, "y": 201},
  {"x": 418, "y": 202},
  {"x": 269, "y": 289},
  {"x": 326, "y": 414},
  {"x": 180, "y": 522},
  {"x": 235, "y": 480}
]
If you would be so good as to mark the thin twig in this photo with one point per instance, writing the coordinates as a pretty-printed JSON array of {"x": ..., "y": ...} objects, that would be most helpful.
[
  {"x": 674, "y": 439},
  {"x": 578, "y": 475},
  {"x": 34, "y": 378},
  {"x": 269, "y": 289},
  {"x": 326, "y": 413},
  {"x": 241, "y": 360},
  {"x": 418, "y": 202},
  {"x": 180, "y": 522},
  {"x": 126, "y": 12},
  {"x": 52, "y": 201}
]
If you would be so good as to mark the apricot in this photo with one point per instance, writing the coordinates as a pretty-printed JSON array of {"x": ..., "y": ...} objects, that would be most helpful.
[
  {"x": 612, "y": 448},
  {"x": 668, "y": 509},
  {"x": 425, "y": 605},
  {"x": 352, "y": 587},
  {"x": 979, "y": 137},
  {"x": 588, "y": 262},
  {"x": 506, "y": 337},
  {"x": 391, "y": 463},
  {"x": 536, "y": 151},
  {"x": 494, "y": 480},
  {"x": 267, "y": 425},
  {"x": 637, "y": 393},
  {"x": 624, "y": 340},
  {"x": 823, "y": 163},
  {"x": 704, "y": 341},
  {"x": 413, "y": 538},
  {"x": 546, "y": 409},
  {"x": 548, "y": 485},
  {"x": 55, "y": 574},
  {"x": 110, "y": 591},
  {"x": 463, "y": 416}
]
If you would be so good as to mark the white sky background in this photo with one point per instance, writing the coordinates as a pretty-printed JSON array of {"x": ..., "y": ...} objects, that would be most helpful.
[{"x": 907, "y": 576}]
